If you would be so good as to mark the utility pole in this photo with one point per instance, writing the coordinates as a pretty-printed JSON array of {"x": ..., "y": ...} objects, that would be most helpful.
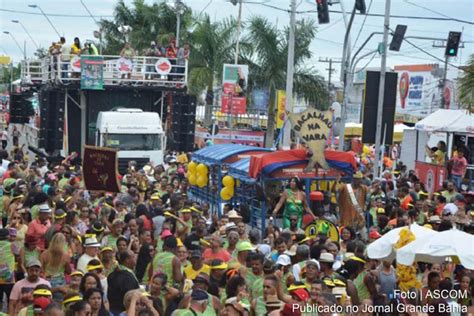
[
  {"x": 330, "y": 72},
  {"x": 239, "y": 21},
  {"x": 383, "y": 66},
  {"x": 289, "y": 76},
  {"x": 346, "y": 76}
]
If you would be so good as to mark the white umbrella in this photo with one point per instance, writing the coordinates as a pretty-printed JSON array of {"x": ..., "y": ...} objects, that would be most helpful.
[
  {"x": 436, "y": 248},
  {"x": 382, "y": 248}
]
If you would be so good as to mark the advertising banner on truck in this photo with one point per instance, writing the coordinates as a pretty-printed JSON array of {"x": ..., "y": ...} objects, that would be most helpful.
[
  {"x": 234, "y": 90},
  {"x": 92, "y": 73}
]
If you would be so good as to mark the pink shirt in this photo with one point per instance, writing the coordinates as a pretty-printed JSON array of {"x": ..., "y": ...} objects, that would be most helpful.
[
  {"x": 22, "y": 292},
  {"x": 223, "y": 255},
  {"x": 35, "y": 228},
  {"x": 459, "y": 166}
]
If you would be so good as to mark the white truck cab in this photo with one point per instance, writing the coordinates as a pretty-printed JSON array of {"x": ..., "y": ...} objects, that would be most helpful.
[{"x": 138, "y": 135}]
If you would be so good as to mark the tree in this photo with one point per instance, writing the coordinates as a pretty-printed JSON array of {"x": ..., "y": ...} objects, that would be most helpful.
[
  {"x": 212, "y": 45},
  {"x": 466, "y": 85},
  {"x": 266, "y": 53},
  {"x": 155, "y": 22}
]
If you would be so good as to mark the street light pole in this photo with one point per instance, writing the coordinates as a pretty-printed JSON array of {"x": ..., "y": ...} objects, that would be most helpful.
[
  {"x": 27, "y": 33},
  {"x": 290, "y": 67},
  {"x": 239, "y": 21},
  {"x": 16, "y": 42},
  {"x": 379, "y": 129},
  {"x": 44, "y": 14}
]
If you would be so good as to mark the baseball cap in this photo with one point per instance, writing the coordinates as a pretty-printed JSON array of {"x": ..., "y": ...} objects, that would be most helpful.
[
  {"x": 196, "y": 254},
  {"x": 59, "y": 213},
  {"x": 199, "y": 295},
  {"x": 244, "y": 246},
  {"x": 218, "y": 264},
  {"x": 33, "y": 263},
  {"x": 166, "y": 233},
  {"x": 312, "y": 262},
  {"x": 326, "y": 257},
  {"x": 450, "y": 209},
  {"x": 283, "y": 260},
  {"x": 44, "y": 208}
]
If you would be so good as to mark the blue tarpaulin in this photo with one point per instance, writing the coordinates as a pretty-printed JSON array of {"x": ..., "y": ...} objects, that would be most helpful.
[{"x": 218, "y": 153}]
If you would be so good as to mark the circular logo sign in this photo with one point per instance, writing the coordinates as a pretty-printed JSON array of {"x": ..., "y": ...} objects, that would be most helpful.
[
  {"x": 403, "y": 88},
  {"x": 124, "y": 65},
  {"x": 76, "y": 64},
  {"x": 163, "y": 66}
]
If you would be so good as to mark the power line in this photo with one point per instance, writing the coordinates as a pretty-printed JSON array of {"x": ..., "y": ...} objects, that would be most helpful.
[
  {"x": 427, "y": 9},
  {"x": 56, "y": 14},
  {"x": 435, "y": 57},
  {"x": 362, "y": 26},
  {"x": 369, "y": 14}
]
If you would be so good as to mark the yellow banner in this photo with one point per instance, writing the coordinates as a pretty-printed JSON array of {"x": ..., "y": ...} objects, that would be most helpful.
[
  {"x": 5, "y": 60},
  {"x": 313, "y": 127},
  {"x": 281, "y": 103}
]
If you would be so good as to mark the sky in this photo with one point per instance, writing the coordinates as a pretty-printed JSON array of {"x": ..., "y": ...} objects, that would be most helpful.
[{"x": 328, "y": 43}]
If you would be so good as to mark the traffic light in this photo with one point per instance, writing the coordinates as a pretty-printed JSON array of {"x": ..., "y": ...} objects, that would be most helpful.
[
  {"x": 452, "y": 45},
  {"x": 397, "y": 38},
  {"x": 323, "y": 11},
  {"x": 360, "y": 6}
]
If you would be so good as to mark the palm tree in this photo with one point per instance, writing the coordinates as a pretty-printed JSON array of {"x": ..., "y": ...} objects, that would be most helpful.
[
  {"x": 466, "y": 85},
  {"x": 155, "y": 22},
  {"x": 266, "y": 54},
  {"x": 212, "y": 45}
]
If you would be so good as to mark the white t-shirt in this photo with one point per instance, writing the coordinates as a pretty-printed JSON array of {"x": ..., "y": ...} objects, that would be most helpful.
[
  {"x": 4, "y": 135},
  {"x": 83, "y": 261}
]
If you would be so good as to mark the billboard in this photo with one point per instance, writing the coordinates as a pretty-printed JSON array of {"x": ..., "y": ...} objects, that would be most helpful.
[
  {"x": 420, "y": 91},
  {"x": 234, "y": 90},
  {"x": 260, "y": 99},
  {"x": 226, "y": 136}
]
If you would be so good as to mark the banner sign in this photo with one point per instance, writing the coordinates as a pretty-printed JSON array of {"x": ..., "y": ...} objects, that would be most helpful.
[
  {"x": 92, "y": 73},
  {"x": 124, "y": 65},
  {"x": 75, "y": 64},
  {"x": 313, "y": 127},
  {"x": 281, "y": 108},
  {"x": 225, "y": 136},
  {"x": 100, "y": 169},
  {"x": 163, "y": 66},
  {"x": 234, "y": 99},
  {"x": 260, "y": 99}
]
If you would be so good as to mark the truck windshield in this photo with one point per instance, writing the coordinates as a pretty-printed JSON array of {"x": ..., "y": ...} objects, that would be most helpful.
[{"x": 133, "y": 141}]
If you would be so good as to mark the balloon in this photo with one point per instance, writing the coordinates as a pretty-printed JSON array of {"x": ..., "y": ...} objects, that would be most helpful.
[
  {"x": 192, "y": 167},
  {"x": 192, "y": 179},
  {"x": 202, "y": 169},
  {"x": 366, "y": 150},
  {"x": 225, "y": 194},
  {"x": 228, "y": 181},
  {"x": 201, "y": 181}
]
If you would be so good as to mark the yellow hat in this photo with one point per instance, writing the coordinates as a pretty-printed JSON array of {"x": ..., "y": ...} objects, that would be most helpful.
[
  {"x": 194, "y": 209},
  {"x": 91, "y": 267},
  {"x": 179, "y": 243},
  {"x": 338, "y": 282},
  {"x": 42, "y": 292},
  {"x": 221, "y": 266},
  {"x": 75, "y": 298},
  {"x": 77, "y": 273},
  {"x": 185, "y": 210},
  {"x": 423, "y": 193},
  {"x": 357, "y": 259},
  {"x": 428, "y": 226},
  {"x": 106, "y": 249},
  {"x": 380, "y": 210},
  {"x": 155, "y": 196},
  {"x": 296, "y": 287}
]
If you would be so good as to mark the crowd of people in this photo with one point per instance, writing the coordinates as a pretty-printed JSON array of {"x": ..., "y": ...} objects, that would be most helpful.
[
  {"x": 65, "y": 53},
  {"x": 151, "y": 250}
]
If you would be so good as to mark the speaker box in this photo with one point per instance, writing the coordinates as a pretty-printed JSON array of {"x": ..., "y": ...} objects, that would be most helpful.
[
  {"x": 21, "y": 108},
  {"x": 369, "y": 124},
  {"x": 183, "y": 122},
  {"x": 52, "y": 106}
]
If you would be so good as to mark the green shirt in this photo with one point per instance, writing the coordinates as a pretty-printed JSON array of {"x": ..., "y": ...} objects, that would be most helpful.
[{"x": 163, "y": 261}]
